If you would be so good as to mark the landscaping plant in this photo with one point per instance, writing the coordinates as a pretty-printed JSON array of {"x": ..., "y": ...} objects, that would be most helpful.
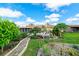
[
  {"x": 59, "y": 29},
  {"x": 8, "y": 32}
]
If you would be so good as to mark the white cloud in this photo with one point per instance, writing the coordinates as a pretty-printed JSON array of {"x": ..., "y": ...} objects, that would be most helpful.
[
  {"x": 51, "y": 20},
  {"x": 70, "y": 20},
  {"x": 20, "y": 23},
  {"x": 27, "y": 21},
  {"x": 73, "y": 19},
  {"x": 47, "y": 21},
  {"x": 52, "y": 16},
  {"x": 9, "y": 13},
  {"x": 39, "y": 23},
  {"x": 54, "y": 23},
  {"x": 30, "y": 20},
  {"x": 54, "y": 19},
  {"x": 77, "y": 15},
  {"x": 55, "y": 4}
]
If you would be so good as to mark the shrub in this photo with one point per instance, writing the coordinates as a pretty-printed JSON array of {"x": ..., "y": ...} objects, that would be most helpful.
[
  {"x": 21, "y": 36},
  {"x": 8, "y": 32},
  {"x": 73, "y": 52},
  {"x": 46, "y": 50}
]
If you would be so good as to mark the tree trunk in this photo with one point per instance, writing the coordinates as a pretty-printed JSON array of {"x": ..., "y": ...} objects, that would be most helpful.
[{"x": 2, "y": 49}]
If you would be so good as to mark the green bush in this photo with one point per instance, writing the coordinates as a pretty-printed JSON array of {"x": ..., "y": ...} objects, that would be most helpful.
[
  {"x": 46, "y": 40},
  {"x": 47, "y": 51},
  {"x": 21, "y": 36},
  {"x": 73, "y": 52},
  {"x": 8, "y": 32}
]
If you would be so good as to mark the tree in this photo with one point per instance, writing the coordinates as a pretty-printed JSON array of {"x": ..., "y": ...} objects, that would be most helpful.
[
  {"x": 34, "y": 31},
  {"x": 55, "y": 31},
  {"x": 8, "y": 31},
  {"x": 59, "y": 29}
]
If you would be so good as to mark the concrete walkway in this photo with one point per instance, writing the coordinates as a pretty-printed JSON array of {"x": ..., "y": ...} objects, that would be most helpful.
[{"x": 20, "y": 48}]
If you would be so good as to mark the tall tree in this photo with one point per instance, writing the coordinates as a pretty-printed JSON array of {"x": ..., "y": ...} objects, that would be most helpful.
[
  {"x": 59, "y": 29},
  {"x": 8, "y": 31}
]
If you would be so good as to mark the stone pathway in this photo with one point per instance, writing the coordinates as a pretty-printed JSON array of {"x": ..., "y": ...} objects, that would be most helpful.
[{"x": 18, "y": 50}]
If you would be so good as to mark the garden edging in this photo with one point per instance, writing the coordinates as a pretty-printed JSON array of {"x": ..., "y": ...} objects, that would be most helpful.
[
  {"x": 24, "y": 48},
  {"x": 17, "y": 46}
]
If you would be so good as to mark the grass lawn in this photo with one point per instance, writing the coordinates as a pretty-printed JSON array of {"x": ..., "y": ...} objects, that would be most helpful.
[
  {"x": 33, "y": 47},
  {"x": 71, "y": 38}
]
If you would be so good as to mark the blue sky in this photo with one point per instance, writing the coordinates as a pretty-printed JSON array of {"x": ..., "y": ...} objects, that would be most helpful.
[{"x": 28, "y": 13}]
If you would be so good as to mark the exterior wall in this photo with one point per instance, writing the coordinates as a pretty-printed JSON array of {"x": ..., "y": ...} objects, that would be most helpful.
[
  {"x": 25, "y": 29},
  {"x": 75, "y": 29},
  {"x": 69, "y": 29},
  {"x": 72, "y": 29}
]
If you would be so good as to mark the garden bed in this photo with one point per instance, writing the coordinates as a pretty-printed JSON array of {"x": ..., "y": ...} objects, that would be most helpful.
[
  {"x": 9, "y": 47},
  {"x": 60, "y": 49},
  {"x": 33, "y": 47}
]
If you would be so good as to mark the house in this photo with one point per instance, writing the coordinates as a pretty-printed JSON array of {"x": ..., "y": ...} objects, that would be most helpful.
[
  {"x": 27, "y": 28},
  {"x": 48, "y": 27},
  {"x": 30, "y": 26},
  {"x": 73, "y": 28}
]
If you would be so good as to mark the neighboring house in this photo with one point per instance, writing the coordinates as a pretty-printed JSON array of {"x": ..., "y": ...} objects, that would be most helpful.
[
  {"x": 27, "y": 28},
  {"x": 24, "y": 29},
  {"x": 30, "y": 26},
  {"x": 71, "y": 28}
]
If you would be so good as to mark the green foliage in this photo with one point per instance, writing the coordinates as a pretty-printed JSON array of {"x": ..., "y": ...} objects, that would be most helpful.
[
  {"x": 35, "y": 30},
  {"x": 33, "y": 37},
  {"x": 73, "y": 52},
  {"x": 46, "y": 40},
  {"x": 47, "y": 51},
  {"x": 62, "y": 26},
  {"x": 33, "y": 47},
  {"x": 55, "y": 31},
  {"x": 59, "y": 29},
  {"x": 71, "y": 38},
  {"x": 8, "y": 32},
  {"x": 21, "y": 36}
]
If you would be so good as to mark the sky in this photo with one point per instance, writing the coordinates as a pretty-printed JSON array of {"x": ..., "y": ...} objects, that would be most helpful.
[{"x": 23, "y": 14}]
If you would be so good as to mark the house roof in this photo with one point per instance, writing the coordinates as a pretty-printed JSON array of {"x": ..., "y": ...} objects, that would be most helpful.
[
  {"x": 73, "y": 25},
  {"x": 39, "y": 26},
  {"x": 44, "y": 26},
  {"x": 30, "y": 26}
]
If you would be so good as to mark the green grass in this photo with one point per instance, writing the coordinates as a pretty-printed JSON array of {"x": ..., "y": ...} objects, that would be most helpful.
[
  {"x": 35, "y": 44},
  {"x": 72, "y": 38},
  {"x": 33, "y": 47}
]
